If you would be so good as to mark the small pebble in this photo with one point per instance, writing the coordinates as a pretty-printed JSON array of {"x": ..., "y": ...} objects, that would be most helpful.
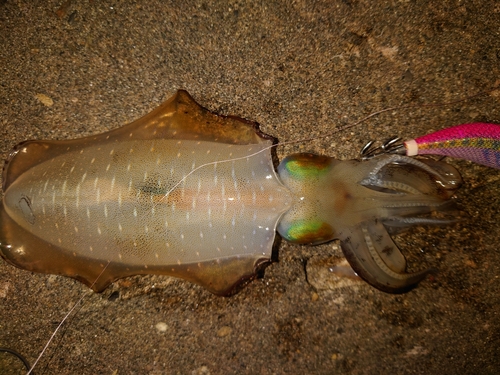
[
  {"x": 203, "y": 370},
  {"x": 45, "y": 100},
  {"x": 4, "y": 288},
  {"x": 224, "y": 331},
  {"x": 161, "y": 327}
]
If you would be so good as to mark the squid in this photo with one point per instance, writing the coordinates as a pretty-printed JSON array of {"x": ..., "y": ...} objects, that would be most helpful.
[{"x": 192, "y": 194}]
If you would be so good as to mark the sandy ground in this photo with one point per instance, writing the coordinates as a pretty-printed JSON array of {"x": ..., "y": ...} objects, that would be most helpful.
[{"x": 301, "y": 69}]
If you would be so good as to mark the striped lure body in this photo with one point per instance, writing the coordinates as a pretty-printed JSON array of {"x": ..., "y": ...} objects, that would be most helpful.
[{"x": 477, "y": 142}]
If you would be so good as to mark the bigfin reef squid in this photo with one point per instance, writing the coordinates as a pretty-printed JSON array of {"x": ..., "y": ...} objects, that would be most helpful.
[{"x": 188, "y": 193}]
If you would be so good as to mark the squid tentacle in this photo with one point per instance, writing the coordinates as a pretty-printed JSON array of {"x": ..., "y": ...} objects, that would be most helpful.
[{"x": 366, "y": 258}]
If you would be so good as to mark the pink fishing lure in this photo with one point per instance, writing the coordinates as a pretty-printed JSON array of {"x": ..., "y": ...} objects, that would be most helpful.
[{"x": 477, "y": 142}]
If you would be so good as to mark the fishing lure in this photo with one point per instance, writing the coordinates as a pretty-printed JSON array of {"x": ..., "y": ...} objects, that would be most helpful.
[
  {"x": 477, "y": 142},
  {"x": 188, "y": 193}
]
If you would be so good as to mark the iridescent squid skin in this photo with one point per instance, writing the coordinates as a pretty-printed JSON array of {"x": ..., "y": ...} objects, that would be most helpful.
[{"x": 188, "y": 193}]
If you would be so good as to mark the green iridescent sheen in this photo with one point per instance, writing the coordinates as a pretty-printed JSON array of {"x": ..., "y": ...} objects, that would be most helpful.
[
  {"x": 302, "y": 170},
  {"x": 300, "y": 230}
]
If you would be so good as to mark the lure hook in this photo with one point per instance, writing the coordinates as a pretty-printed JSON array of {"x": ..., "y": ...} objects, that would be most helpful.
[{"x": 393, "y": 145}]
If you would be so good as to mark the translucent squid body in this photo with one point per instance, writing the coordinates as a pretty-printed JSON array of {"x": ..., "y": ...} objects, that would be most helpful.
[{"x": 188, "y": 193}]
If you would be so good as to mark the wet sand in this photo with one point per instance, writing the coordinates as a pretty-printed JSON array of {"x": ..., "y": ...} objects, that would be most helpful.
[{"x": 75, "y": 68}]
